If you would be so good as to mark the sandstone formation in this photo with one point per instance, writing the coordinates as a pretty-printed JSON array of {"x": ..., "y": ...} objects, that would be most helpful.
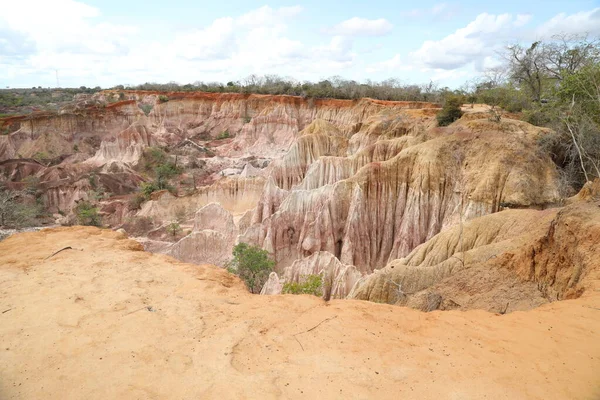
[
  {"x": 511, "y": 260},
  {"x": 338, "y": 279},
  {"x": 377, "y": 205},
  {"x": 334, "y": 187},
  {"x": 211, "y": 240}
]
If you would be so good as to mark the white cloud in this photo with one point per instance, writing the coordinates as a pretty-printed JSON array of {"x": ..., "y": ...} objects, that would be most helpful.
[
  {"x": 392, "y": 65},
  {"x": 362, "y": 27},
  {"x": 39, "y": 37},
  {"x": 522, "y": 19},
  {"x": 578, "y": 23},
  {"x": 470, "y": 44},
  {"x": 213, "y": 42}
]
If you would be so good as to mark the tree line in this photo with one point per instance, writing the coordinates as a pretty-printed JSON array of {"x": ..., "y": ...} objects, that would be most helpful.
[{"x": 333, "y": 87}]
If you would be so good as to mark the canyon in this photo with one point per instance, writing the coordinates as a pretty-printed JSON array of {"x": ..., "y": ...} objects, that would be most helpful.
[{"x": 466, "y": 236}]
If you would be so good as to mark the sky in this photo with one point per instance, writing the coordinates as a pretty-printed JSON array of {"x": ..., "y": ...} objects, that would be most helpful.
[{"x": 111, "y": 42}]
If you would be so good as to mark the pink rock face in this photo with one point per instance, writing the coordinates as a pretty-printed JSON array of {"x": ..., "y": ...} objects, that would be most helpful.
[
  {"x": 387, "y": 208},
  {"x": 211, "y": 240}
]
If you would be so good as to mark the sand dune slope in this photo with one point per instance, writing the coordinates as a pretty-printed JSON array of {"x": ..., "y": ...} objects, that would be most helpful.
[{"x": 104, "y": 320}]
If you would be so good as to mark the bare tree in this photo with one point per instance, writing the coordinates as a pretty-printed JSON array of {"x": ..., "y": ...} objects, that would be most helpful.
[{"x": 526, "y": 66}]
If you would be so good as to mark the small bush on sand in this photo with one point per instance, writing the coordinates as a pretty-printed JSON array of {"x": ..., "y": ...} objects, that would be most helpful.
[
  {"x": 309, "y": 284},
  {"x": 252, "y": 264}
]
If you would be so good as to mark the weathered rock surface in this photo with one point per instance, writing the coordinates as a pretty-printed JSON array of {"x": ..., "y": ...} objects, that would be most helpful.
[
  {"x": 211, "y": 240},
  {"x": 341, "y": 188},
  {"x": 507, "y": 261},
  {"x": 386, "y": 208}
]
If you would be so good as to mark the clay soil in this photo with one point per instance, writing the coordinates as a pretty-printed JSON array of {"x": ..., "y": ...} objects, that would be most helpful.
[{"x": 105, "y": 320}]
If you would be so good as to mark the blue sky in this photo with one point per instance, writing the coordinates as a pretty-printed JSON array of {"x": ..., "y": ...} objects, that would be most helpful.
[{"x": 108, "y": 42}]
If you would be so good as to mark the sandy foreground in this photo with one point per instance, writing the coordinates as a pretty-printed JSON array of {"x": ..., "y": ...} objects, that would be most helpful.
[{"x": 104, "y": 320}]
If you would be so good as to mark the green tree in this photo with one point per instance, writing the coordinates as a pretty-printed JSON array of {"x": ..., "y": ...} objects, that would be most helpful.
[
  {"x": 174, "y": 229},
  {"x": 450, "y": 112},
  {"x": 252, "y": 264},
  {"x": 87, "y": 214}
]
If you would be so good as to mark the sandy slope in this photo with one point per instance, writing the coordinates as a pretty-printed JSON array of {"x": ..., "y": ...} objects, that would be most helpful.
[{"x": 104, "y": 321}]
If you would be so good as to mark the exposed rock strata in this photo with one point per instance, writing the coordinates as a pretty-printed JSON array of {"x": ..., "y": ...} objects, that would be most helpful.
[
  {"x": 211, "y": 240},
  {"x": 512, "y": 260},
  {"x": 387, "y": 208}
]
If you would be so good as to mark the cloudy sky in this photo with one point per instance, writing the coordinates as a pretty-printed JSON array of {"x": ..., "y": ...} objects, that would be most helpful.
[{"x": 111, "y": 42}]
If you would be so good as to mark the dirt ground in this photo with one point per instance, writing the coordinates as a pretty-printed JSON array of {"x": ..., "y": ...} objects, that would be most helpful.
[{"x": 104, "y": 320}]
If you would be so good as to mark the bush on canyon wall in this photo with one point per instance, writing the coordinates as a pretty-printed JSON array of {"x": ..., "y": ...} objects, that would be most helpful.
[
  {"x": 174, "y": 229},
  {"x": 155, "y": 161},
  {"x": 252, "y": 264},
  {"x": 16, "y": 209},
  {"x": 309, "y": 284},
  {"x": 87, "y": 214},
  {"x": 450, "y": 112}
]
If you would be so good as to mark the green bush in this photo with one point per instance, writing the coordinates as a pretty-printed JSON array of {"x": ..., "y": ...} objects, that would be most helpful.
[
  {"x": 174, "y": 229},
  {"x": 87, "y": 214},
  {"x": 163, "y": 98},
  {"x": 135, "y": 203},
  {"x": 310, "y": 284},
  {"x": 450, "y": 112},
  {"x": 167, "y": 171},
  {"x": 42, "y": 156},
  {"x": 146, "y": 108},
  {"x": 16, "y": 211},
  {"x": 147, "y": 188},
  {"x": 252, "y": 264},
  {"x": 223, "y": 135}
]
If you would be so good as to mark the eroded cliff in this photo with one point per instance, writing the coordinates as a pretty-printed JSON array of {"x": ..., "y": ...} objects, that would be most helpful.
[{"x": 332, "y": 187}]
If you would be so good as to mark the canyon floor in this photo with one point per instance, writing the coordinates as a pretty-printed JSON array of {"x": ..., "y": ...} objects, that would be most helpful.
[{"x": 105, "y": 320}]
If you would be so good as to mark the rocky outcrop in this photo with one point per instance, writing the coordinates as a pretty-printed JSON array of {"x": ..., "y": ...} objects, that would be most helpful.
[
  {"x": 211, "y": 240},
  {"x": 336, "y": 187},
  {"x": 511, "y": 260},
  {"x": 97, "y": 133},
  {"x": 337, "y": 278},
  {"x": 237, "y": 195},
  {"x": 387, "y": 208},
  {"x": 126, "y": 146}
]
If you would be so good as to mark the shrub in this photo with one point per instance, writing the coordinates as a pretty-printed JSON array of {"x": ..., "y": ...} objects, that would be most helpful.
[
  {"x": 32, "y": 185},
  {"x": 147, "y": 188},
  {"x": 174, "y": 229},
  {"x": 223, "y": 135},
  {"x": 167, "y": 171},
  {"x": 310, "y": 284},
  {"x": 135, "y": 203},
  {"x": 252, "y": 264},
  {"x": 146, "y": 108},
  {"x": 15, "y": 212},
  {"x": 87, "y": 214},
  {"x": 41, "y": 156},
  {"x": 180, "y": 214},
  {"x": 450, "y": 112},
  {"x": 163, "y": 98}
]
